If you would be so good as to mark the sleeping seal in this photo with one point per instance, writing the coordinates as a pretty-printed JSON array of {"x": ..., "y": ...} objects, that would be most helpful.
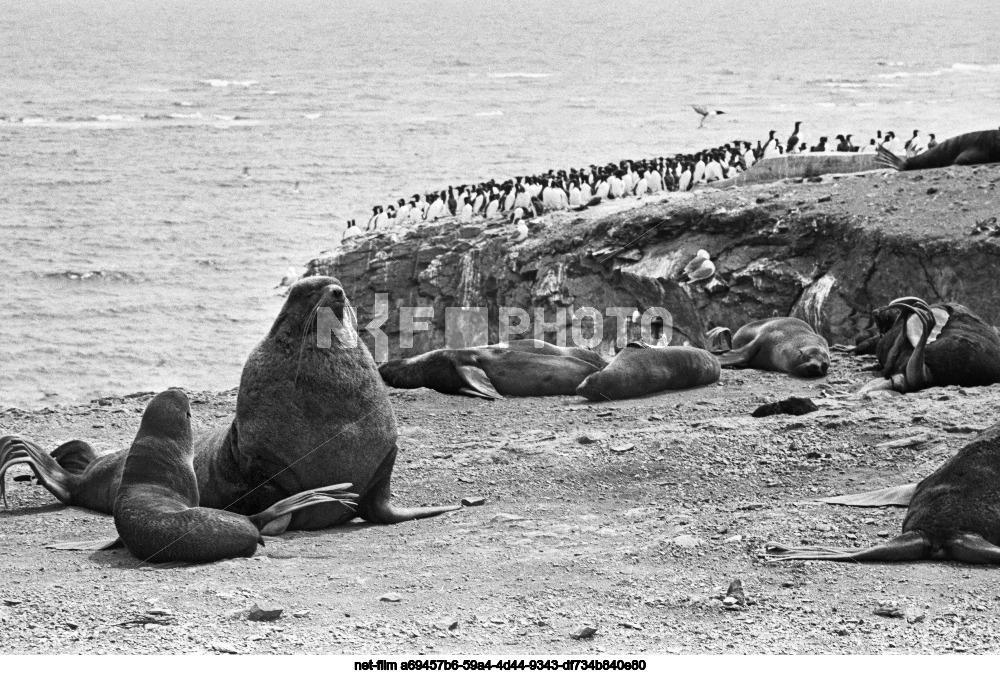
[
  {"x": 977, "y": 147},
  {"x": 490, "y": 372},
  {"x": 780, "y": 345},
  {"x": 954, "y": 513},
  {"x": 639, "y": 370}
]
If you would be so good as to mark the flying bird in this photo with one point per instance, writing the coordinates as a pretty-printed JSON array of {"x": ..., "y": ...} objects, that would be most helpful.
[{"x": 706, "y": 113}]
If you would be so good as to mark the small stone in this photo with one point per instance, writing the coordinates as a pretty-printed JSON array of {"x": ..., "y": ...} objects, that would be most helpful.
[
  {"x": 71, "y": 625},
  {"x": 224, "y": 647},
  {"x": 686, "y": 541},
  {"x": 730, "y": 601},
  {"x": 655, "y": 417},
  {"x": 264, "y": 612},
  {"x": 159, "y": 611},
  {"x": 391, "y": 597},
  {"x": 470, "y": 501},
  {"x": 585, "y": 632},
  {"x": 734, "y": 539},
  {"x": 604, "y": 414},
  {"x": 915, "y": 617},
  {"x": 932, "y": 190},
  {"x": 881, "y": 394},
  {"x": 735, "y": 593},
  {"x": 621, "y": 449},
  {"x": 591, "y": 437},
  {"x": 825, "y": 199},
  {"x": 300, "y": 614},
  {"x": 448, "y": 624},
  {"x": 12, "y": 602},
  {"x": 631, "y": 626}
]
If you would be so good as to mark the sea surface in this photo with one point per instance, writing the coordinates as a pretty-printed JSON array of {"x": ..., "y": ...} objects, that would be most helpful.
[{"x": 162, "y": 164}]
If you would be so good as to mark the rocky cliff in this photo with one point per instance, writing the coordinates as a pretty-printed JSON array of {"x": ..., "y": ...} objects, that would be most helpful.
[{"x": 827, "y": 250}]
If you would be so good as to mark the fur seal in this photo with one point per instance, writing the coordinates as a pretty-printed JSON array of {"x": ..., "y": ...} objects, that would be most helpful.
[
  {"x": 780, "y": 345},
  {"x": 307, "y": 415},
  {"x": 938, "y": 345},
  {"x": 953, "y": 513},
  {"x": 977, "y": 147},
  {"x": 539, "y": 346},
  {"x": 639, "y": 370},
  {"x": 156, "y": 509},
  {"x": 490, "y": 372}
]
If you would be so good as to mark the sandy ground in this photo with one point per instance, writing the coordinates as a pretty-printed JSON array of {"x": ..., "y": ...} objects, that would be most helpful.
[{"x": 637, "y": 533}]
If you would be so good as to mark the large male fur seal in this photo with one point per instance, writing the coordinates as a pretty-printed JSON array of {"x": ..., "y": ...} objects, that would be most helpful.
[
  {"x": 490, "y": 372},
  {"x": 156, "y": 510},
  {"x": 639, "y": 370},
  {"x": 953, "y": 514},
  {"x": 977, "y": 147},
  {"x": 307, "y": 415},
  {"x": 938, "y": 345},
  {"x": 781, "y": 345}
]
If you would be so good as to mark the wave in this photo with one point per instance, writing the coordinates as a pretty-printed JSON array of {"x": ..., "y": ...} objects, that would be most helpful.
[
  {"x": 491, "y": 113},
  {"x": 228, "y": 83},
  {"x": 519, "y": 75},
  {"x": 977, "y": 67},
  {"x": 93, "y": 276},
  {"x": 955, "y": 68}
]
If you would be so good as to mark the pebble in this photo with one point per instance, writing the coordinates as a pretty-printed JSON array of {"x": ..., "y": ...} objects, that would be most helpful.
[
  {"x": 591, "y": 437},
  {"x": 686, "y": 541},
  {"x": 470, "y": 501},
  {"x": 585, "y": 632},
  {"x": 621, "y": 449},
  {"x": 224, "y": 647},
  {"x": 392, "y": 597},
  {"x": 889, "y": 610}
]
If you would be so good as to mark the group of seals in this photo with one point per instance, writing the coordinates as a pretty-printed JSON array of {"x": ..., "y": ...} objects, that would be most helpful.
[
  {"x": 954, "y": 513},
  {"x": 307, "y": 416},
  {"x": 977, "y": 147},
  {"x": 492, "y": 372},
  {"x": 777, "y": 344},
  {"x": 941, "y": 345},
  {"x": 639, "y": 370},
  {"x": 156, "y": 509}
]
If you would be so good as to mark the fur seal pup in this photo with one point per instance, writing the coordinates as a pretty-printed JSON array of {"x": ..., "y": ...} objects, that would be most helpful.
[
  {"x": 156, "y": 510},
  {"x": 954, "y": 513},
  {"x": 489, "y": 372},
  {"x": 780, "y": 345},
  {"x": 307, "y": 415},
  {"x": 639, "y": 370},
  {"x": 938, "y": 345},
  {"x": 977, "y": 147}
]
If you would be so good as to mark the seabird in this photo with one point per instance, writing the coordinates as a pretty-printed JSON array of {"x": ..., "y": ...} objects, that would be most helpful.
[
  {"x": 706, "y": 113},
  {"x": 793, "y": 140}
]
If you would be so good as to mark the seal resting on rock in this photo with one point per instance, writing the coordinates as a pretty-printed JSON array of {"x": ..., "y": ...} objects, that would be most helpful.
[
  {"x": 954, "y": 513},
  {"x": 308, "y": 415},
  {"x": 940, "y": 345},
  {"x": 639, "y": 370},
  {"x": 780, "y": 345},
  {"x": 490, "y": 372},
  {"x": 977, "y": 147},
  {"x": 156, "y": 510}
]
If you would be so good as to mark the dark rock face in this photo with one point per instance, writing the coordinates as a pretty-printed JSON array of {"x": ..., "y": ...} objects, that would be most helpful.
[{"x": 776, "y": 254}]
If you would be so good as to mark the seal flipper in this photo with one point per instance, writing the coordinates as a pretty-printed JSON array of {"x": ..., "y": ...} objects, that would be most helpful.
[
  {"x": 98, "y": 544},
  {"x": 275, "y": 520},
  {"x": 907, "y": 547},
  {"x": 972, "y": 549},
  {"x": 15, "y": 449},
  {"x": 479, "y": 385},
  {"x": 375, "y": 506},
  {"x": 880, "y": 498},
  {"x": 738, "y": 357}
]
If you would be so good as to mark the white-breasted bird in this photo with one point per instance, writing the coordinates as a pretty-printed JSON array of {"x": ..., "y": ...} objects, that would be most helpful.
[{"x": 706, "y": 113}]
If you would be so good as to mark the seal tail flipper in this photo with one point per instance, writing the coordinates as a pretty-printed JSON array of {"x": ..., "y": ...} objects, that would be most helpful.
[
  {"x": 720, "y": 340},
  {"x": 275, "y": 520},
  {"x": 98, "y": 544},
  {"x": 907, "y": 547},
  {"x": 887, "y": 159},
  {"x": 738, "y": 357},
  {"x": 972, "y": 549},
  {"x": 479, "y": 385},
  {"x": 880, "y": 498},
  {"x": 15, "y": 450},
  {"x": 376, "y": 507}
]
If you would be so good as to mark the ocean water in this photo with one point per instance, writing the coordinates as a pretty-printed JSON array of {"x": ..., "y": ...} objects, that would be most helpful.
[{"x": 125, "y": 128}]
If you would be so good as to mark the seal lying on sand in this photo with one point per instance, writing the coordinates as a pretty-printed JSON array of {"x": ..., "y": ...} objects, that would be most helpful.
[
  {"x": 488, "y": 372},
  {"x": 307, "y": 415},
  {"x": 538, "y": 346},
  {"x": 977, "y": 147},
  {"x": 934, "y": 346},
  {"x": 639, "y": 370},
  {"x": 781, "y": 345},
  {"x": 156, "y": 509},
  {"x": 953, "y": 514}
]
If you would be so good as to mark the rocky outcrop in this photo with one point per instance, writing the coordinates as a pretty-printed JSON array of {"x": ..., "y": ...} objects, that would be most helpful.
[{"x": 827, "y": 252}]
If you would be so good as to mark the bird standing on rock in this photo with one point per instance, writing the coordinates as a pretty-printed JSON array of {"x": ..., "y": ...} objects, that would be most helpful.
[{"x": 793, "y": 140}]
